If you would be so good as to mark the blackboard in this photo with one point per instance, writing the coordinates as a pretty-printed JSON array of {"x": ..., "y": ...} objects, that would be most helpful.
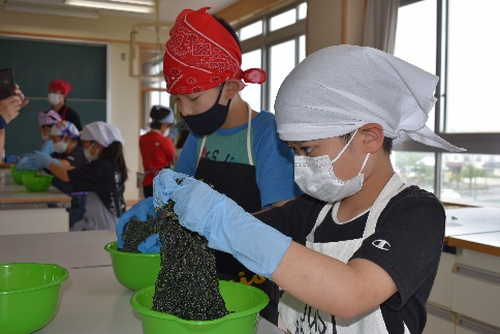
[{"x": 36, "y": 63}]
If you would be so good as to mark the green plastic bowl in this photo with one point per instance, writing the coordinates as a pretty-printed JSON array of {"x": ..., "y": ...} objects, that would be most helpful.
[
  {"x": 243, "y": 301},
  {"x": 18, "y": 176},
  {"x": 37, "y": 183},
  {"x": 29, "y": 294},
  {"x": 134, "y": 270}
]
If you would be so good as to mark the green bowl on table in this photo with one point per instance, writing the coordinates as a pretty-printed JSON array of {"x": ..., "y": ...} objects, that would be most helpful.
[
  {"x": 244, "y": 303},
  {"x": 37, "y": 183},
  {"x": 29, "y": 295},
  {"x": 134, "y": 270},
  {"x": 17, "y": 176}
]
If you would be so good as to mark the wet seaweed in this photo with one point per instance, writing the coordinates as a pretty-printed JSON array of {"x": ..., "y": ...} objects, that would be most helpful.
[
  {"x": 135, "y": 231},
  {"x": 187, "y": 285}
]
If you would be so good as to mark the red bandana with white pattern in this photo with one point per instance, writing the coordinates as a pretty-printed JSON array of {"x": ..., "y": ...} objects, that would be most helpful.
[{"x": 202, "y": 54}]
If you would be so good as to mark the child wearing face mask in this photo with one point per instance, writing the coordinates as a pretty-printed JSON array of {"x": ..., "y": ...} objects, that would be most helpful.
[
  {"x": 58, "y": 92},
  {"x": 103, "y": 178},
  {"x": 66, "y": 145},
  {"x": 231, "y": 146},
  {"x": 46, "y": 119},
  {"x": 157, "y": 148},
  {"x": 67, "y": 151},
  {"x": 359, "y": 251}
]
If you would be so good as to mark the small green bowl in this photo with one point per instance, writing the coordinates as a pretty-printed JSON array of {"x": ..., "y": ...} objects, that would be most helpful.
[
  {"x": 18, "y": 175},
  {"x": 243, "y": 301},
  {"x": 29, "y": 294},
  {"x": 37, "y": 183},
  {"x": 134, "y": 270}
]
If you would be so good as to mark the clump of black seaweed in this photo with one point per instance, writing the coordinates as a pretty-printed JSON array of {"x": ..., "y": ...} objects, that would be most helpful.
[
  {"x": 187, "y": 285},
  {"x": 136, "y": 231}
]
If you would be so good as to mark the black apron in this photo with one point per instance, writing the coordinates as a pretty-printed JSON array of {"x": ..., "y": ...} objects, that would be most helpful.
[{"x": 238, "y": 181}]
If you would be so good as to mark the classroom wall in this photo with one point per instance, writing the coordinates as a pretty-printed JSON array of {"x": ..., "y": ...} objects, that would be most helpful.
[
  {"x": 330, "y": 22},
  {"x": 123, "y": 91}
]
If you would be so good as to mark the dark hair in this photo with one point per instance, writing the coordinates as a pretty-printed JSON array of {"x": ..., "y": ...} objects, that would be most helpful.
[
  {"x": 229, "y": 28},
  {"x": 158, "y": 113},
  {"x": 114, "y": 153},
  {"x": 386, "y": 145}
]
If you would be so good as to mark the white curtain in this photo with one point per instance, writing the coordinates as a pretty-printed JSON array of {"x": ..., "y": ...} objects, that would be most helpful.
[{"x": 381, "y": 18}]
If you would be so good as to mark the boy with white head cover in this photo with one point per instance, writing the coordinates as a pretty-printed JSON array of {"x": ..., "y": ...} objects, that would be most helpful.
[{"x": 359, "y": 251}]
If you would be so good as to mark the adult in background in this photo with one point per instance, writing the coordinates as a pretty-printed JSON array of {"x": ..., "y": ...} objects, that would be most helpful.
[
  {"x": 9, "y": 109},
  {"x": 157, "y": 148},
  {"x": 58, "y": 92}
]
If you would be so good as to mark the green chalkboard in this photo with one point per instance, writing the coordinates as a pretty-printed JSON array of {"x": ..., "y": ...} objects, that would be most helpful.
[{"x": 35, "y": 64}]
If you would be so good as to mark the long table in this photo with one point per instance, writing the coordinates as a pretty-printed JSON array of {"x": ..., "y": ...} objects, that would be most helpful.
[
  {"x": 22, "y": 211},
  {"x": 91, "y": 300}
]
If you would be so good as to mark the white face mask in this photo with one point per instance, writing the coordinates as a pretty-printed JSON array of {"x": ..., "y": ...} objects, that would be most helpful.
[
  {"x": 45, "y": 138},
  {"x": 89, "y": 156},
  {"x": 54, "y": 98},
  {"x": 315, "y": 177},
  {"x": 166, "y": 132},
  {"x": 60, "y": 147}
]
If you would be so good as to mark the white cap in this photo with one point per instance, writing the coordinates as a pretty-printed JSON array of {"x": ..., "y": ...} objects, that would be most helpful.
[
  {"x": 340, "y": 88},
  {"x": 101, "y": 132}
]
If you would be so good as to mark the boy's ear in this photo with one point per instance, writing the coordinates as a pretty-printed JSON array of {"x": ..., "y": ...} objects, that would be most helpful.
[
  {"x": 373, "y": 137},
  {"x": 233, "y": 87}
]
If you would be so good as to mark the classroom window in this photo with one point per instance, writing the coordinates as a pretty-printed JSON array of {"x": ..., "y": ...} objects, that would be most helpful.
[
  {"x": 275, "y": 43},
  {"x": 252, "y": 59},
  {"x": 251, "y": 30},
  {"x": 431, "y": 35}
]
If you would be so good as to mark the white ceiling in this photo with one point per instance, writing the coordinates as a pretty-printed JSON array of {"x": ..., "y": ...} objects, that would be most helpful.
[{"x": 168, "y": 9}]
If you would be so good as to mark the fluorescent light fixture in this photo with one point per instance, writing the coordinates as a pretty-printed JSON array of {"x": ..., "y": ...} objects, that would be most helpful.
[
  {"x": 30, "y": 8},
  {"x": 111, "y": 5},
  {"x": 137, "y": 2}
]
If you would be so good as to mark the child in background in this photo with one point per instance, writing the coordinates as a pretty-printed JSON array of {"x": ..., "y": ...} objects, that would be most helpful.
[{"x": 157, "y": 149}]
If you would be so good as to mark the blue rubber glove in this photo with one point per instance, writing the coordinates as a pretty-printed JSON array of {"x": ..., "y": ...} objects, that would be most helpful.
[
  {"x": 226, "y": 225},
  {"x": 44, "y": 160},
  {"x": 47, "y": 147},
  {"x": 140, "y": 210},
  {"x": 27, "y": 162}
]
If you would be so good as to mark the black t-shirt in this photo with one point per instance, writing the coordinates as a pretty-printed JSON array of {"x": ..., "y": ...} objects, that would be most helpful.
[
  {"x": 412, "y": 223},
  {"x": 76, "y": 158},
  {"x": 101, "y": 177}
]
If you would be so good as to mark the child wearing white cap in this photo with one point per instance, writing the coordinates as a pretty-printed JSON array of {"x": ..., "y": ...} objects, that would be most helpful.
[
  {"x": 359, "y": 251},
  {"x": 103, "y": 178}
]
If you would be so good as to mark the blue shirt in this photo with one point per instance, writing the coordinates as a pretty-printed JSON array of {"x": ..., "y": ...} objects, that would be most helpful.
[{"x": 272, "y": 158}]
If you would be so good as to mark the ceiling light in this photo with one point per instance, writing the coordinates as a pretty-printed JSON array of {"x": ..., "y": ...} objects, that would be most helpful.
[
  {"x": 29, "y": 8},
  {"x": 121, "y": 6},
  {"x": 137, "y": 2}
]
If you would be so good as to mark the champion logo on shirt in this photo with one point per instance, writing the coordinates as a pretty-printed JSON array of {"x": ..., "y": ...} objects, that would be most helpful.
[{"x": 381, "y": 244}]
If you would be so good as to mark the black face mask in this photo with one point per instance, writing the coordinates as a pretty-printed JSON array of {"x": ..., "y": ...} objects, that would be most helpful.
[{"x": 206, "y": 123}]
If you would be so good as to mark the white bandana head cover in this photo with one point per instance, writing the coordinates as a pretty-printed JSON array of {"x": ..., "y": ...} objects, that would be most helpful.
[
  {"x": 101, "y": 132},
  {"x": 340, "y": 88}
]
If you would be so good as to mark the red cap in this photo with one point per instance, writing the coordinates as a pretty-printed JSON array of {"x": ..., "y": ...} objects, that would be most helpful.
[
  {"x": 202, "y": 54},
  {"x": 61, "y": 85}
]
